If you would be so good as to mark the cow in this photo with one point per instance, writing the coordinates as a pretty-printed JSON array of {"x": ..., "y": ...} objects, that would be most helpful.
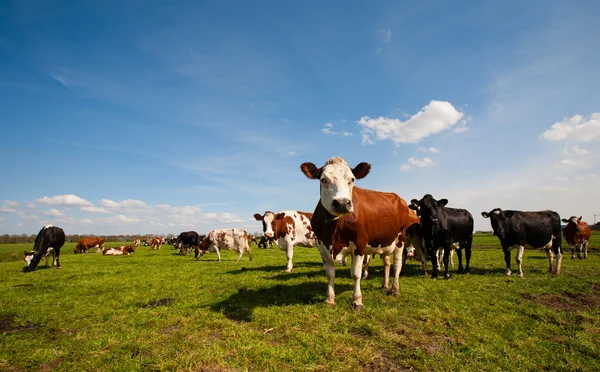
[
  {"x": 157, "y": 243},
  {"x": 230, "y": 239},
  {"x": 251, "y": 239},
  {"x": 265, "y": 242},
  {"x": 185, "y": 240},
  {"x": 443, "y": 227},
  {"x": 136, "y": 242},
  {"x": 361, "y": 220},
  {"x": 290, "y": 229},
  {"x": 49, "y": 252},
  {"x": 148, "y": 242},
  {"x": 117, "y": 251},
  {"x": 534, "y": 229},
  {"x": 84, "y": 245},
  {"x": 48, "y": 237},
  {"x": 577, "y": 234}
]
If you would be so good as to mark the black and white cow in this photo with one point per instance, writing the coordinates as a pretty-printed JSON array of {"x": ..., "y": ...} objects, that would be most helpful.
[
  {"x": 443, "y": 227},
  {"x": 535, "y": 229},
  {"x": 187, "y": 240},
  {"x": 48, "y": 237}
]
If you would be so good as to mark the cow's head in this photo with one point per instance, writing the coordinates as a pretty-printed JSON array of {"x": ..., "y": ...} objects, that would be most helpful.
[
  {"x": 573, "y": 222},
  {"x": 337, "y": 180},
  {"x": 499, "y": 220},
  {"x": 28, "y": 257},
  {"x": 429, "y": 210}
]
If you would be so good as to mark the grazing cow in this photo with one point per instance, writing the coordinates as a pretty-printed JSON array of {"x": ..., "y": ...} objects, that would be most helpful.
[
  {"x": 265, "y": 242},
  {"x": 363, "y": 221},
  {"x": 85, "y": 244},
  {"x": 534, "y": 229},
  {"x": 443, "y": 227},
  {"x": 50, "y": 251},
  {"x": 185, "y": 240},
  {"x": 230, "y": 239},
  {"x": 48, "y": 237},
  {"x": 148, "y": 242},
  {"x": 117, "y": 251},
  {"x": 577, "y": 234},
  {"x": 137, "y": 242},
  {"x": 157, "y": 243},
  {"x": 290, "y": 229}
]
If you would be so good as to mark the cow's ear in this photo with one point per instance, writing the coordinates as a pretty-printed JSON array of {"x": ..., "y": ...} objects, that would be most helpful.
[
  {"x": 414, "y": 208},
  {"x": 279, "y": 216},
  {"x": 442, "y": 202},
  {"x": 311, "y": 171},
  {"x": 579, "y": 219},
  {"x": 361, "y": 170},
  {"x": 258, "y": 217},
  {"x": 414, "y": 202},
  {"x": 565, "y": 220},
  {"x": 485, "y": 214}
]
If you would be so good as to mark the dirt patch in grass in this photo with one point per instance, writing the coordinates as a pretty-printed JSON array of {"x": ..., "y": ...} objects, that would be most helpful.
[
  {"x": 7, "y": 326},
  {"x": 50, "y": 366},
  {"x": 162, "y": 302},
  {"x": 569, "y": 302},
  {"x": 382, "y": 363}
]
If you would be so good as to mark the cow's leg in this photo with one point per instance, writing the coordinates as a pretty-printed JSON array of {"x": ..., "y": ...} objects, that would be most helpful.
[
  {"x": 558, "y": 252},
  {"x": 520, "y": 250},
  {"x": 507, "y": 261},
  {"x": 420, "y": 252},
  {"x": 241, "y": 253},
  {"x": 585, "y": 249},
  {"x": 434, "y": 262},
  {"x": 218, "y": 253},
  {"x": 468, "y": 257},
  {"x": 356, "y": 272},
  {"x": 447, "y": 250},
  {"x": 572, "y": 248},
  {"x": 365, "y": 274},
  {"x": 249, "y": 252},
  {"x": 579, "y": 248},
  {"x": 288, "y": 248},
  {"x": 460, "y": 265},
  {"x": 550, "y": 255},
  {"x": 397, "y": 268},
  {"x": 451, "y": 257},
  {"x": 386, "y": 273},
  {"x": 329, "y": 267},
  {"x": 440, "y": 258}
]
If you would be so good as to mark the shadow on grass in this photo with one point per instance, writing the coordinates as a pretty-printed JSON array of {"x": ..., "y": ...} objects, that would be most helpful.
[
  {"x": 280, "y": 268},
  {"x": 241, "y": 305}
]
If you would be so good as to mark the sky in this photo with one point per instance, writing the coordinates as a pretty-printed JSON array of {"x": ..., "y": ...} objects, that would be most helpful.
[{"x": 156, "y": 117}]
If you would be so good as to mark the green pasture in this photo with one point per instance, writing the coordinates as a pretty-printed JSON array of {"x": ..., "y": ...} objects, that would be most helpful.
[{"x": 156, "y": 310}]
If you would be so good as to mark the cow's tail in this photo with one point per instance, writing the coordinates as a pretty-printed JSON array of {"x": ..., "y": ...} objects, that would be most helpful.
[{"x": 557, "y": 236}]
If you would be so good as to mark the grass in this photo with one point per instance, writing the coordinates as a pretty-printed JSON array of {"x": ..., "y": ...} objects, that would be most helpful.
[{"x": 155, "y": 310}]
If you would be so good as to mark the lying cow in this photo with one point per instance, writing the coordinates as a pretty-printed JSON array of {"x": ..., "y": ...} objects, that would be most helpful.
[
  {"x": 50, "y": 252},
  {"x": 230, "y": 239},
  {"x": 534, "y": 229},
  {"x": 48, "y": 237},
  {"x": 84, "y": 245},
  {"x": 443, "y": 227},
  {"x": 117, "y": 251},
  {"x": 290, "y": 229},
  {"x": 577, "y": 234},
  {"x": 364, "y": 221}
]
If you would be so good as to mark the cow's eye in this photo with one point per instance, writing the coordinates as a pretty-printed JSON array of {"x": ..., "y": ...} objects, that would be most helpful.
[
  {"x": 324, "y": 181},
  {"x": 351, "y": 181}
]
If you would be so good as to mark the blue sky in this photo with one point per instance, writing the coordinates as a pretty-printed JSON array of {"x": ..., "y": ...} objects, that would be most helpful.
[{"x": 162, "y": 117}]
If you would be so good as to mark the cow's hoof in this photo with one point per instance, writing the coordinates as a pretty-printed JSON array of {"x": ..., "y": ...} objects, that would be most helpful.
[
  {"x": 520, "y": 276},
  {"x": 396, "y": 293},
  {"x": 434, "y": 278},
  {"x": 447, "y": 277},
  {"x": 357, "y": 308},
  {"x": 508, "y": 274},
  {"x": 330, "y": 303}
]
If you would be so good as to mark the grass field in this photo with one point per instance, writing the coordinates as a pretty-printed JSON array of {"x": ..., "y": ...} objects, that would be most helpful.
[{"x": 156, "y": 310}]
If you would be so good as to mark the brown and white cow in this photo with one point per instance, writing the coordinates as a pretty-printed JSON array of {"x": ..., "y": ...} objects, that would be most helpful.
[
  {"x": 229, "y": 239},
  {"x": 577, "y": 234},
  {"x": 365, "y": 221},
  {"x": 137, "y": 242},
  {"x": 117, "y": 251},
  {"x": 84, "y": 245},
  {"x": 157, "y": 243},
  {"x": 289, "y": 229}
]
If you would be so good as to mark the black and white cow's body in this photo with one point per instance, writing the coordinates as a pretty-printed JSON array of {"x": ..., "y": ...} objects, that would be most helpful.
[
  {"x": 187, "y": 241},
  {"x": 48, "y": 237},
  {"x": 443, "y": 227},
  {"x": 534, "y": 229}
]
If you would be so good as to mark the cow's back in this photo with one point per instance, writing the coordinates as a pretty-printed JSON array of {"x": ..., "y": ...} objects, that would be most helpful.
[
  {"x": 297, "y": 227},
  {"x": 536, "y": 229}
]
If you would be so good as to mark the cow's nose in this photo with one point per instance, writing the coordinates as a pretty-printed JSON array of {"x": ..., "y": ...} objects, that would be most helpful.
[
  {"x": 269, "y": 234},
  {"x": 343, "y": 204}
]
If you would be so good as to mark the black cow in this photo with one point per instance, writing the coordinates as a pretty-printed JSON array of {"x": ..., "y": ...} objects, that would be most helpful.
[
  {"x": 442, "y": 227},
  {"x": 185, "y": 240},
  {"x": 48, "y": 237},
  {"x": 534, "y": 229},
  {"x": 266, "y": 242}
]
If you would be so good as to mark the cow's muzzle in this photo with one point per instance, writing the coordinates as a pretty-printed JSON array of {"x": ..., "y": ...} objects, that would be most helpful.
[{"x": 342, "y": 205}]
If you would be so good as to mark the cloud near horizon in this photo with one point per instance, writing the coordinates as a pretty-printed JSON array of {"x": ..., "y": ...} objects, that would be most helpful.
[
  {"x": 436, "y": 117},
  {"x": 577, "y": 128}
]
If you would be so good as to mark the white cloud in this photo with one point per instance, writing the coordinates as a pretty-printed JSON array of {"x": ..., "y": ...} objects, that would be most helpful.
[
  {"x": 328, "y": 129},
  {"x": 434, "y": 150},
  {"x": 425, "y": 162},
  {"x": 10, "y": 203},
  {"x": 125, "y": 204},
  {"x": 461, "y": 127},
  {"x": 127, "y": 219},
  {"x": 578, "y": 128},
  {"x": 579, "y": 151},
  {"x": 86, "y": 221},
  {"x": 53, "y": 212},
  {"x": 437, "y": 116},
  {"x": 94, "y": 209},
  {"x": 5, "y": 209},
  {"x": 68, "y": 199},
  {"x": 574, "y": 163}
]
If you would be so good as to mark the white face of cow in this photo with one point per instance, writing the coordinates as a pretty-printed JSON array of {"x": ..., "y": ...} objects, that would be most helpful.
[
  {"x": 337, "y": 181},
  {"x": 28, "y": 259},
  {"x": 267, "y": 224}
]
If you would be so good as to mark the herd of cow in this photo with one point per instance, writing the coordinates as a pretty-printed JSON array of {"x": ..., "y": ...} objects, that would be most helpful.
[{"x": 356, "y": 222}]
